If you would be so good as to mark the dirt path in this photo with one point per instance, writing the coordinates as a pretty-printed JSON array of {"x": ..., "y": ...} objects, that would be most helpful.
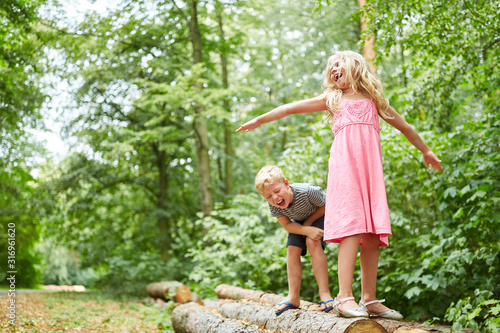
[{"x": 42, "y": 311}]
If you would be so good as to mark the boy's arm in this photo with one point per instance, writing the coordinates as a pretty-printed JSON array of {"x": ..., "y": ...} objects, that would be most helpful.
[
  {"x": 299, "y": 229},
  {"x": 308, "y": 105},
  {"x": 314, "y": 216},
  {"x": 409, "y": 132}
]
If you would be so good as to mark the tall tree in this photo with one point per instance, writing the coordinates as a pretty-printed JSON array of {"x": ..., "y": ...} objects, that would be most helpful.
[
  {"x": 228, "y": 130},
  {"x": 21, "y": 98},
  {"x": 133, "y": 100},
  {"x": 200, "y": 121}
]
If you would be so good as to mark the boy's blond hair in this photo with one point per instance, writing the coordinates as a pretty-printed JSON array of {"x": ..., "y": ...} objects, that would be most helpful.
[{"x": 266, "y": 176}]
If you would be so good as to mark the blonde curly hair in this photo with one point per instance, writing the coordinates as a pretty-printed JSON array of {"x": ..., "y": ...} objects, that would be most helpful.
[{"x": 360, "y": 78}]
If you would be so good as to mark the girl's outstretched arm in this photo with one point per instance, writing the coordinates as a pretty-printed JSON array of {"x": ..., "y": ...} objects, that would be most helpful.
[
  {"x": 409, "y": 132},
  {"x": 308, "y": 105}
]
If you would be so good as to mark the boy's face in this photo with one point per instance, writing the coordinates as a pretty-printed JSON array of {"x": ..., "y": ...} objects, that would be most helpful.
[{"x": 279, "y": 194}]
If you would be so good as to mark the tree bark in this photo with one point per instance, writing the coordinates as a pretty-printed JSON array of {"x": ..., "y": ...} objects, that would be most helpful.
[
  {"x": 368, "y": 46},
  {"x": 309, "y": 318},
  {"x": 194, "y": 318},
  {"x": 200, "y": 122},
  {"x": 225, "y": 291},
  {"x": 228, "y": 132},
  {"x": 293, "y": 320},
  {"x": 164, "y": 224},
  {"x": 169, "y": 290}
]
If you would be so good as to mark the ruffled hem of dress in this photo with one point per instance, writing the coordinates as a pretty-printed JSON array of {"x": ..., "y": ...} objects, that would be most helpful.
[{"x": 383, "y": 237}]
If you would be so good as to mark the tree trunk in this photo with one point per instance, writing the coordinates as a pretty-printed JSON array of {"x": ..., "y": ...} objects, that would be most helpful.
[
  {"x": 228, "y": 132},
  {"x": 200, "y": 122},
  {"x": 169, "y": 290},
  {"x": 163, "y": 221},
  {"x": 194, "y": 318},
  {"x": 368, "y": 46}
]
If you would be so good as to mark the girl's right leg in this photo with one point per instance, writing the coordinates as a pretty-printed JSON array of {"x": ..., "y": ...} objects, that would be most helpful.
[
  {"x": 294, "y": 270},
  {"x": 348, "y": 253}
]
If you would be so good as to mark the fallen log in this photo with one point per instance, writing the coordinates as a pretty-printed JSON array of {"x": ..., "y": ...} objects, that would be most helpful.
[
  {"x": 194, "y": 318},
  {"x": 169, "y": 290},
  {"x": 232, "y": 293},
  {"x": 224, "y": 291},
  {"x": 302, "y": 321}
]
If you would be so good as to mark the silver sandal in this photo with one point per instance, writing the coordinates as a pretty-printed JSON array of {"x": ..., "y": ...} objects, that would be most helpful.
[
  {"x": 350, "y": 313},
  {"x": 389, "y": 314}
]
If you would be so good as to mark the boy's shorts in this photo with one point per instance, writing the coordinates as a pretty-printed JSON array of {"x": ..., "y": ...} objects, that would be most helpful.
[{"x": 300, "y": 240}]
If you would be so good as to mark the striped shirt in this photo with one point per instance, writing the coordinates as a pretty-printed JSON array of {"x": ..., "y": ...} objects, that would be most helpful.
[{"x": 306, "y": 199}]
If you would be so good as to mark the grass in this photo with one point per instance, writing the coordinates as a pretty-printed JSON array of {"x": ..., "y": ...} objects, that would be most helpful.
[{"x": 81, "y": 312}]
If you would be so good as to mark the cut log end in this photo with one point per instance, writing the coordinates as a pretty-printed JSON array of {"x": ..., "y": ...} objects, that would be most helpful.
[
  {"x": 170, "y": 290},
  {"x": 183, "y": 294},
  {"x": 365, "y": 326}
]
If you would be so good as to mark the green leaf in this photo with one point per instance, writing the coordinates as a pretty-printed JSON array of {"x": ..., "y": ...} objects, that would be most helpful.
[
  {"x": 450, "y": 192},
  {"x": 414, "y": 291},
  {"x": 478, "y": 194},
  {"x": 458, "y": 214},
  {"x": 465, "y": 189}
]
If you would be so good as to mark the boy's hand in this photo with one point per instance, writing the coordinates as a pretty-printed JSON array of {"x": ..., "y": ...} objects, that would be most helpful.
[
  {"x": 248, "y": 126},
  {"x": 314, "y": 233},
  {"x": 432, "y": 160}
]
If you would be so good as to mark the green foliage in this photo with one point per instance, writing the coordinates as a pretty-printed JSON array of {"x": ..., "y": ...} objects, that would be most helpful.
[
  {"x": 130, "y": 188},
  {"x": 60, "y": 266},
  {"x": 249, "y": 239},
  {"x": 20, "y": 93},
  {"x": 18, "y": 222},
  {"x": 129, "y": 276},
  {"x": 474, "y": 312},
  {"x": 305, "y": 160},
  {"x": 445, "y": 242},
  {"x": 20, "y": 100},
  {"x": 115, "y": 240}
]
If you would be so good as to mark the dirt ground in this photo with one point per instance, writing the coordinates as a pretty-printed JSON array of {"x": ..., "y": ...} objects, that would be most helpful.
[{"x": 80, "y": 312}]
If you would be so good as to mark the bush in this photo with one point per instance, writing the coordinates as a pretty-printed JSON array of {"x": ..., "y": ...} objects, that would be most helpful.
[
  {"x": 129, "y": 276},
  {"x": 476, "y": 312},
  {"x": 61, "y": 266}
]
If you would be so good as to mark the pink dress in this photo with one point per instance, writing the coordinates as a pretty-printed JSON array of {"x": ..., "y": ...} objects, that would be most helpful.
[{"x": 356, "y": 201}]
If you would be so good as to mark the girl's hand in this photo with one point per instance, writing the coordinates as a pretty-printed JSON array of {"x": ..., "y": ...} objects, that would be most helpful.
[
  {"x": 431, "y": 160},
  {"x": 252, "y": 124}
]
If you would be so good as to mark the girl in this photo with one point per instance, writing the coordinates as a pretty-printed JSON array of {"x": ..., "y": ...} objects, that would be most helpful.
[{"x": 356, "y": 205}]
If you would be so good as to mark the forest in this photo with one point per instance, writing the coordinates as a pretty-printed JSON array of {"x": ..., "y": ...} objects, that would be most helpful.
[{"x": 155, "y": 184}]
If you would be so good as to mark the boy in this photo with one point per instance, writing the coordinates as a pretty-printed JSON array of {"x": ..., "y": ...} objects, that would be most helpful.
[{"x": 300, "y": 209}]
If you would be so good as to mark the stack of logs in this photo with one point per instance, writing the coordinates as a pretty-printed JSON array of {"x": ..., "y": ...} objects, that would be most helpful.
[{"x": 243, "y": 310}]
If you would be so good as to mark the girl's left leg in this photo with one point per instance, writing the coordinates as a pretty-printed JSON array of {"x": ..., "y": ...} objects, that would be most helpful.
[{"x": 369, "y": 267}]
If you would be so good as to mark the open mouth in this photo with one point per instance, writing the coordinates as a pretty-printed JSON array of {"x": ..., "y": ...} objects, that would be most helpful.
[
  {"x": 280, "y": 202},
  {"x": 337, "y": 76}
]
